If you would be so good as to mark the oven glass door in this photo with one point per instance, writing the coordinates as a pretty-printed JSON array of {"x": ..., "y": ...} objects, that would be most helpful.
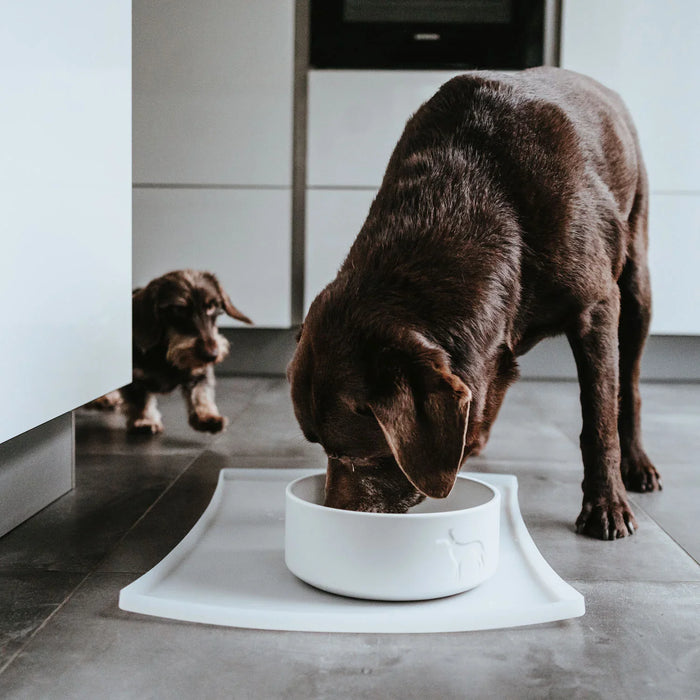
[
  {"x": 430, "y": 34},
  {"x": 429, "y": 11}
]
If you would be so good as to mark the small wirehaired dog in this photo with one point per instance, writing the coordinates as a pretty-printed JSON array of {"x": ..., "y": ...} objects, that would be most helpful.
[{"x": 175, "y": 343}]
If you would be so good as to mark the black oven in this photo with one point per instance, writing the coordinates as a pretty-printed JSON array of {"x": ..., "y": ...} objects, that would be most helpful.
[{"x": 424, "y": 34}]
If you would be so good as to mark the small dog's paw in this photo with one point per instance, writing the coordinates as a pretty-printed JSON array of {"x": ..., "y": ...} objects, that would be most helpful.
[
  {"x": 606, "y": 519},
  {"x": 108, "y": 402},
  {"x": 145, "y": 426},
  {"x": 639, "y": 474},
  {"x": 208, "y": 423}
]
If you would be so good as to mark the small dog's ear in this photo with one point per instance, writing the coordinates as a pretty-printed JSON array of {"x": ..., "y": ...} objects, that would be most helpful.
[
  {"x": 229, "y": 308},
  {"x": 146, "y": 323},
  {"x": 423, "y": 410}
]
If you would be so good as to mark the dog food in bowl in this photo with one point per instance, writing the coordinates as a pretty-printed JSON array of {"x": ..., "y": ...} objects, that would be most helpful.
[{"x": 439, "y": 548}]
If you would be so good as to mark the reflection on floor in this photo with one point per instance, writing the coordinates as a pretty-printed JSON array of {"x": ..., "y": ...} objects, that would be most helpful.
[{"x": 63, "y": 636}]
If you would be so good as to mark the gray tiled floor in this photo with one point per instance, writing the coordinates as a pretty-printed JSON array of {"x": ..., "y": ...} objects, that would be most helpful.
[{"x": 63, "y": 636}]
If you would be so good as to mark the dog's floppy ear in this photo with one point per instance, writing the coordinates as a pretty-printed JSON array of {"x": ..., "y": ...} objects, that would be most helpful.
[
  {"x": 146, "y": 323},
  {"x": 229, "y": 308},
  {"x": 423, "y": 410}
]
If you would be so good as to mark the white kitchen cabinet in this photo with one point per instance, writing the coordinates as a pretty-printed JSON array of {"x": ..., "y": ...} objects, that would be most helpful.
[
  {"x": 65, "y": 179},
  {"x": 241, "y": 235},
  {"x": 355, "y": 119},
  {"x": 213, "y": 90},
  {"x": 674, "y": 252},
  {"x": 213, "y": 123},
  {"x": 65, "y": 245},
  {"x": 333, "y": 220},
  {"x": 649, "y": 52}
]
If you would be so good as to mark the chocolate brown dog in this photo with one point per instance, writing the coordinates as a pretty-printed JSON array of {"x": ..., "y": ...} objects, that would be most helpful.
[
  {"x": 514, "y": 207},
  {"x": 175, "y": 343}
]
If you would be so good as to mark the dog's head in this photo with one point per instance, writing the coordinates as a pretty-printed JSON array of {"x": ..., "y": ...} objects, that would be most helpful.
[
  {"x": 387, "y": 409},
  {"x": 179, "y": 312}
]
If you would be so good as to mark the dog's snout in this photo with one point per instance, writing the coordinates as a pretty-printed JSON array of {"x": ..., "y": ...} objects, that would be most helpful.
[{"x": 208, "y": 350}]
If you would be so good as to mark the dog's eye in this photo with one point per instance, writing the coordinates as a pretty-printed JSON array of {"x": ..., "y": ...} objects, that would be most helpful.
[
  {"x": 177, "y": 309},
  {"x": 364, "y": 411},
  {"x": 213, "y": 309}
]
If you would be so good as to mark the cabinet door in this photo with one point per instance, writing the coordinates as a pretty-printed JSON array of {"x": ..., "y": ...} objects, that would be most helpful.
[
  {"x": 213, "y": 84},
  {"x": 649, "y": 52},
  {"x": 355, "y": 119},
  {"x": 674, "y": 251},
  {"x": 333, "y": 220},
  {"x": 241, "y": 235},
  {"x": 65, "y": 266}
]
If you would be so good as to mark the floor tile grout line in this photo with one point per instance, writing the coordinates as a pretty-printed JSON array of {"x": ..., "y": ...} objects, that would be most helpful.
[
  {"x": 259, "y": 388},
  {"x": 572, "y": 581},
  {"x": 83, "y": 581},
  {"x": 538, "y": 409},
  {"x": 656, "y": 582},
  {"x": 171, "y": 485},
  {"x": 638, "y": 504},
  {"x": 44, "y": 623},
  {"x": 95, "y": 568}
]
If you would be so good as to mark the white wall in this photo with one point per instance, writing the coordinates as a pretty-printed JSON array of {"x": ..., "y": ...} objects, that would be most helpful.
[{"x": 65, "y": 174}]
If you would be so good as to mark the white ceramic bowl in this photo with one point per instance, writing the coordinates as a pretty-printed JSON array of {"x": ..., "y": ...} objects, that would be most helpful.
[{"x": 439, "y": 548}]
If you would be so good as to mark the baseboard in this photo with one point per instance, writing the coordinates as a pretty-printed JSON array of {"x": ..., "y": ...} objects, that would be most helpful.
[
  {"x": 666, "y": 358},
  {"x": 258, "y": 351},
  {"x": 673, "y": 358},
  {"x": 36, "y": 468}
]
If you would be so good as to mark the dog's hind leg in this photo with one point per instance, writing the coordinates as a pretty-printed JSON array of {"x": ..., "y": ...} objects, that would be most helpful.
[
  {"x": 638, "y": 473},
  {"x": 201, "y": 408},
  {"x": 141, "y": 408}
]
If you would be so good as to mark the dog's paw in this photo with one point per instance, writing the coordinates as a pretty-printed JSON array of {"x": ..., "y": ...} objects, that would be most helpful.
[
  {"x": 607, "y": 518},
  {"x": 208, "y": 423},
  {"x": 639, "y": 474},
  {"x": 108, "y": 402},
  {"x": 144, "y": 426}
]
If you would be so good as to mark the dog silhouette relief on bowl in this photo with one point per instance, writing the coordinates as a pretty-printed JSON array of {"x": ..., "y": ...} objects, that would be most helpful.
[{"x": 439, "y": 548}]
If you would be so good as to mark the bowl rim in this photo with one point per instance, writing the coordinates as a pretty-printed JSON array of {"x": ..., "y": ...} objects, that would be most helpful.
[{"x": 495, "y": 495}]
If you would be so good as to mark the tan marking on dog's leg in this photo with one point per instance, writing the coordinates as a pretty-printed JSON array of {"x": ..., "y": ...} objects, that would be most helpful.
[
  {"x": 108, "y": 402},
  {"x": 223, "y": 346},
  {"x": 144, "y": 417},
  {"x": 201, "y": 407}
]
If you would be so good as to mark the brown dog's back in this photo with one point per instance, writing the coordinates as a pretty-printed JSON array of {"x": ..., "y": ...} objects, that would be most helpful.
[{"x": 530, "y": 173}]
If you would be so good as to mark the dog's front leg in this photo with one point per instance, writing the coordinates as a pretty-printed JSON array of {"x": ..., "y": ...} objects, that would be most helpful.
[
  {"x": 605, "y": 513},
  {"x": 141, "y": 409},
  {"x": 202, "y": 411}
]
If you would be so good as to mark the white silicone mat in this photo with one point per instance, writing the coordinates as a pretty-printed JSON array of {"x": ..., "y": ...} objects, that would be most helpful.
[{"x": 230, "y": 570}]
